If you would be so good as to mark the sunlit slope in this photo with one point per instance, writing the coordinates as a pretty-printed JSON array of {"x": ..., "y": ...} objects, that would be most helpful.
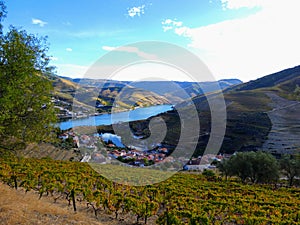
[{"x": 249, "y": 119}]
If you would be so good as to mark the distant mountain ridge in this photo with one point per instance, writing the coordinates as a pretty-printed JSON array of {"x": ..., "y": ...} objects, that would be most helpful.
[{"x": 174, "y": 91}]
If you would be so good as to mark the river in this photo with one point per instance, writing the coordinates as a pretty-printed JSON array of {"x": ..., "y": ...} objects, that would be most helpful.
[{"x": 108, "y": 119}]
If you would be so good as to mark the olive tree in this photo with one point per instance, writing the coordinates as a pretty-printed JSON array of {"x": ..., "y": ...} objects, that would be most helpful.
[
  {"x": 258, "y": 167},
  {"x": 290, "y": 166},
  {"x": 26, "y": 112}
]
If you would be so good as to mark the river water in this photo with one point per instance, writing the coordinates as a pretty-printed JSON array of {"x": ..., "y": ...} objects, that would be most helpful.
[{"x": 108, "y": 119}]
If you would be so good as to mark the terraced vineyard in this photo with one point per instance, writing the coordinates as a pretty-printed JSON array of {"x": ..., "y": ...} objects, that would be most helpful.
[
  {"x": 284, "y": 135},
  {"x": 183, "y": 199}
]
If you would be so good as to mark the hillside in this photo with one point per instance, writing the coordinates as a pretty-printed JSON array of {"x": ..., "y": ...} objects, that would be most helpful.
[
  {"x": 279, "y": 93},
  {"x": 261, "y": 115},
  {"x": 271, "y": 100},
  {"x": 83, "y": 95},
  {"x": 270, "y": 80},
  {"x": 128, "y": 97},
  {"x": 174, "y": 91},
  {"x": 178, "y": 91},
  {"x": 65, "y": 91},
  {"x": 86, "y": 94},
  {"x": 284, "y": 135}
]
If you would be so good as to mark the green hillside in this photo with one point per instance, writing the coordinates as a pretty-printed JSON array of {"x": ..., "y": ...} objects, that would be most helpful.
[{"x": 251, "y": 124}]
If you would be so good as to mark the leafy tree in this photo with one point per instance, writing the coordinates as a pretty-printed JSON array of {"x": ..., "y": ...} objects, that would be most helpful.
[
  {"x": 291, "y": 167},
  {"x": 266, "y": 168},
  {"x": 224, "y": 168},
  {"x": 241, "y": 165},
  {"x": 259, "y": 167},
  {"x": 26, "y": 114}
]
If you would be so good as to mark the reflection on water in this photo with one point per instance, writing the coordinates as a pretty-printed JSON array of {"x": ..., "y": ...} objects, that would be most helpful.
[{"x": 115, "y": 139}]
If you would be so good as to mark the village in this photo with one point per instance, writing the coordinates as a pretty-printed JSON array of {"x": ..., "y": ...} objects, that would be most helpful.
[
  {"x": 65, "y": 110},
  {"x": 93, "y": 148}
]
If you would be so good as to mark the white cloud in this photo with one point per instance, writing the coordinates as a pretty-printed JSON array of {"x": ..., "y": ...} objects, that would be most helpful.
[
  {"x": 182, "y": 31},
  {"x": 169, "y": 24},
  {"x": 71, "y": 70},
  {"x": 177, "y": 23},
  {"x": 137, "y": 51},
  {"x": 131, "y": 49},
  {"x": 247, "y": 48},
  {"x": 38, "y": 22},
  {"x": 166, "y": 28},
  {"x": 69, "y": 49},
  {"x": 108, "y": 48},
  {"x": 167, "y": 21},
  {"x": 136, "y": 11}
]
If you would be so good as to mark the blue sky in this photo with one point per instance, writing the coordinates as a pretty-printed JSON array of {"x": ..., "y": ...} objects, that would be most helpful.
[{"x": 242, "y": 39}]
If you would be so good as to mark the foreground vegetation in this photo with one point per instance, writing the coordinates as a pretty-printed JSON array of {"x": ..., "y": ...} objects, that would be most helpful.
[
  {"x": 26, "y": 112},
  {"x": 260, "y": 167},
  {"x": 185, "y": 198},
  {"x": 30, "y": 210}
]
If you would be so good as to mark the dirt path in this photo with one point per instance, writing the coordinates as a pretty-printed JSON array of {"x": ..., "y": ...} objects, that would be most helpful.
[{"x": 284, "y": 136}]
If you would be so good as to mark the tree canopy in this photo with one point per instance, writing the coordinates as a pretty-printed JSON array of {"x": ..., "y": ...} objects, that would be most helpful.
[
  {"x": 290, "y": 165},
  {"x": 26, "y": 112},
  {"x": 258, "y": 167}
]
